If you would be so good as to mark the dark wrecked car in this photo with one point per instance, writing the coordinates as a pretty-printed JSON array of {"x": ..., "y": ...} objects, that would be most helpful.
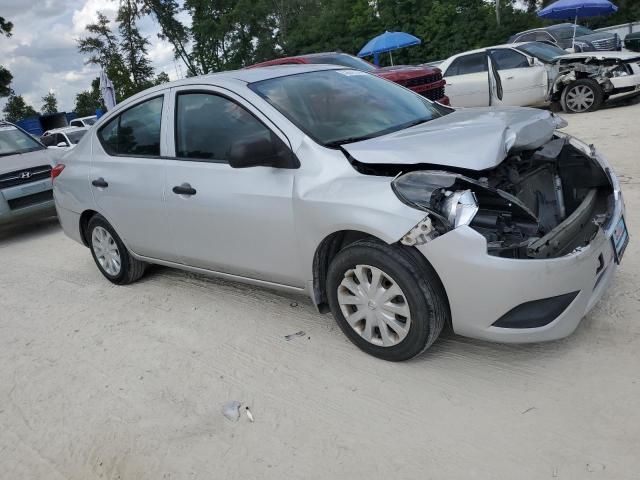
[{"x": 397, "y": 214}]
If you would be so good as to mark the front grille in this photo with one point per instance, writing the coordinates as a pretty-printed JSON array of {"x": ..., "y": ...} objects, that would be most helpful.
[
  {"x": 27, "y": 175},
  {"x": 29, "y": 200},
  {"x": 605, "y": 44},
  {"x": 419, "y": 81},
  {"x": 434, "y": 93}
]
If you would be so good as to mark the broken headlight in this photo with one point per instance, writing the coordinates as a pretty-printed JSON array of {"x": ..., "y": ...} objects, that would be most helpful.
[
  {"x": 440, "y": 194},
  {"x": 452, "y": 199}
]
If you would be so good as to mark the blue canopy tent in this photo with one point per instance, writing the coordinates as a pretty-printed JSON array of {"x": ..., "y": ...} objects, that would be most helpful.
[
  {"x": 385, "y": 43},
  {"x": 574, "y": 9}
]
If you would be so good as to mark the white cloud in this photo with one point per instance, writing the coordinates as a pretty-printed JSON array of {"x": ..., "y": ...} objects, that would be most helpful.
[{"x": 42, "y": 53}]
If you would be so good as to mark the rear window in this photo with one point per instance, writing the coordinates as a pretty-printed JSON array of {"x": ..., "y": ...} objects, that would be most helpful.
[
  {"x": 135, "y": 131},
  {"x": 567, "y": 33},
  {"x": 14, "y": 141},
  {"x": 342, "y": 60}
]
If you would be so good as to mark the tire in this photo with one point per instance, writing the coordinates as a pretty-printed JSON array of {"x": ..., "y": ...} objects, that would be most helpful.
[
  {"x": 130, "y": 269},
  {"x": 422, "y": 296},
  {"x": 585, "y": 89}
]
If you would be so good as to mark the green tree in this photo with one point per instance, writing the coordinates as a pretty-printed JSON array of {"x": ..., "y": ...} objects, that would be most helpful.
[
  {"x": 50, "y": 103},
  {"x": 16, "y": 109},
  {"x": 103, "y": 49},
  {"x": 5, "y": 75},
  {"x": 89, "y": 100},
  {"x": 134, "y": 49}
]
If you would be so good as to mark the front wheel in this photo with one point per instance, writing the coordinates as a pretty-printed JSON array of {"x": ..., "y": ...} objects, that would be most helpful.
[
  {"x": 388, "y": 301},
  {"x": 583, "y": 95},
  {"x": 111, "y": 256}
]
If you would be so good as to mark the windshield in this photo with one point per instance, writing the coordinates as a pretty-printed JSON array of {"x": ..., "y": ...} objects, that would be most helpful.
[
  {"x": 343, "y": 60},
  {"x": 567, "y": 33},
  {"x": 342, "y": 106},
  {"x": 74, "y": 137},
  {"x": 542, "y": 51},
  {"x": 89, "y": 121},
  {"x": 13, "y": 141}
]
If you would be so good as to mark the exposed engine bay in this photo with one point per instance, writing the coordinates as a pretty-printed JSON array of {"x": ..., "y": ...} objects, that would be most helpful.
[{"x": 540, "y": 203}]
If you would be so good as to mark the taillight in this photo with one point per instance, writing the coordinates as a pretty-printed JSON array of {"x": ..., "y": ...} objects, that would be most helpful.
[{"x": 57, "y": 170}]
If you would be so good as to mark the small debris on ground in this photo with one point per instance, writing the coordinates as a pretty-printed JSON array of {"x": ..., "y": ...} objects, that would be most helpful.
[
  {"x": 249, "y": 414},
  {"x": 293, "y": 304},
  {"x": 293, "y": 335},
  {"x": 529, "y": 409},
  {"x": 231, "y": 410}
]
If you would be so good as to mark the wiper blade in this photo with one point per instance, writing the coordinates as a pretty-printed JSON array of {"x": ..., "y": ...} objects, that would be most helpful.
[{"x": 343, "y": 141}]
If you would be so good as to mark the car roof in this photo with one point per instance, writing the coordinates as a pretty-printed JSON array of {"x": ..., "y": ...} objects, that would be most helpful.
[
  {"x": 65, "y": 129},
  {"x": 231, "y": 77},
  {"x": 445, "y": 64}
]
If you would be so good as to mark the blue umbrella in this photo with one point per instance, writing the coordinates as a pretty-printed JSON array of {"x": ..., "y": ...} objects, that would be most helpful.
[
  {"x": 386, "y": 42},
  {"x": 565, "y": 9}
]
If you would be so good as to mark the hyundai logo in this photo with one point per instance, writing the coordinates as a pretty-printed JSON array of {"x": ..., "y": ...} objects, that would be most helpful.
[{"x": 25, "y": 175}]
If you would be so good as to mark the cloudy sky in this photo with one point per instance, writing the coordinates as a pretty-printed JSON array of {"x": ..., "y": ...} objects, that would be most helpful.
[{"x": 42, "y": 55}]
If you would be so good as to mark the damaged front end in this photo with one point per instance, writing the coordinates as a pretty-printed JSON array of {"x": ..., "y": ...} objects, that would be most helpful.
[
  {"x": 615, "y": 72},
  {"x": 540, "y": 203}
]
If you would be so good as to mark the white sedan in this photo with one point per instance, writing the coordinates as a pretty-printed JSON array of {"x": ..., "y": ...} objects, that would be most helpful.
[
  {"x": 65, "y": 138},
  {"x": 536, "y": 74}
]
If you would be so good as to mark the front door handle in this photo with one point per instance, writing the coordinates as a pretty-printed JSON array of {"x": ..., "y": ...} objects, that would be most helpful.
[
  {"x": 184, "y": 189},
  {"x": 100, "y": 183}
]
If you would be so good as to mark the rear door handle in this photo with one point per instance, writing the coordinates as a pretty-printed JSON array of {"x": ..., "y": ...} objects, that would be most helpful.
[
  {"x": 184, "y": 189},
  {"x": 100, "y": 183}
]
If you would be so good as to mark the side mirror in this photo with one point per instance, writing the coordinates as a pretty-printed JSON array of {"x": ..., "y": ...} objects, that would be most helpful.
[
  {"x": 62, "y": 144},
  {"x": 261, "y": 152},
  {"x": 532, "y": 61}
]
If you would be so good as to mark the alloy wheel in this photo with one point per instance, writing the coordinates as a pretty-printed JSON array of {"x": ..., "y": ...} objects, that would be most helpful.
[
  {"x": 580, "y": 98},
  {"x": 374, "y": 305},
  {"x": 106, "y": 251}
]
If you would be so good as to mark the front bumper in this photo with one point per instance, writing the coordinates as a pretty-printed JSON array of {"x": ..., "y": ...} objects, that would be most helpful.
[
  {"x": 482, "y": 288},
  {"x": 26, "y": 201}
]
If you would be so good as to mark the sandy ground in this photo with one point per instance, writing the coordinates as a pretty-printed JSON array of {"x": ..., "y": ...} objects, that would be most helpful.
[{"x": 98, "y": 381}]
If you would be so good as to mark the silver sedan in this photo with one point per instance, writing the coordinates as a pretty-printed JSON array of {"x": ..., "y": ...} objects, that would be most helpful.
[{"x": 398, "y": 215}]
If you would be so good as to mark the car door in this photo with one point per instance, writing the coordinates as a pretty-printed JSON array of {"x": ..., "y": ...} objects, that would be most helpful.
[
  {"x": 467, "y": 81},
  {"x": 515, "y": 80},
  {"x": 230, "y": 220},
  {"x": 127, "y": 176}
]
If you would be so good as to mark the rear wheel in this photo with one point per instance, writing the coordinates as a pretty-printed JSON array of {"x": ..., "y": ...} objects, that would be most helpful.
[
  {"x": 388, "y": 301},
  {"x": 111, "y": 256},
  {"x": 583, "y": 95}
]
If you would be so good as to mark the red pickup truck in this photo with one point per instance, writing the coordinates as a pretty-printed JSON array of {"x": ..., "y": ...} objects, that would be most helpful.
[{"x": 426, "y": 81}]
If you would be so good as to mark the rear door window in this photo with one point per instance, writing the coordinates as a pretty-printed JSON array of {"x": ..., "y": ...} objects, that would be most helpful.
[
  {"x": 136, "y": 131},
  {"x": 506, "y": 59},
  {"x": 473, "y": 63}
]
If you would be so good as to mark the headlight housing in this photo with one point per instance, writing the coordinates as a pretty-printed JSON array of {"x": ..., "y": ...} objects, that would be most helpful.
[
  {"x": 452, "y": 199},
  {"x": 621, "y": 71}
]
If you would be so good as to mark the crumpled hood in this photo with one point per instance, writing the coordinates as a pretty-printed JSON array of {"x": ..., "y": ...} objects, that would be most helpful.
[
  {"x": 469, "y": 138},
  {"x": 12, "y": 163}
]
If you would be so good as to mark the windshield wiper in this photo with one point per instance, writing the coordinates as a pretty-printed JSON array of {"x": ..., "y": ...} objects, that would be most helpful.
[{"x": 343, "y": 141}]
